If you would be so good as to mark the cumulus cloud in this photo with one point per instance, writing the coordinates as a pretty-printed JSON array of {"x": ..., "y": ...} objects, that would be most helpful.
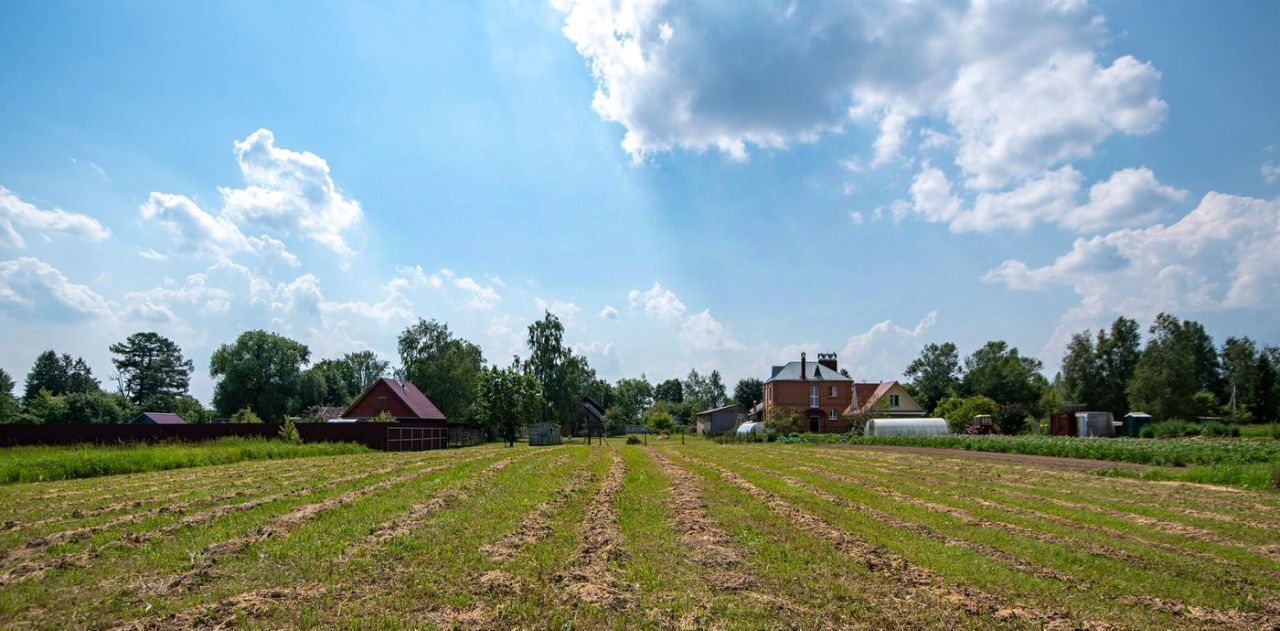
[
  {"x": 658, "y": 303},
  {"x": 608, "y": 313},
  {"x": 304, "y": 295},
  {"x": 1019, "y": 84},
  {"x": 157, "y": 304},
  {"x": 603, "y": 357},
  {"x": 566, "y": 311},
  {"x": 17, "y": 214},
  {"x": 290, "y": 192},
  {"x": 1129, "y": 197},
  {"x": 882, "y": 352},
  {"x": 479, "y": 297},
  {"x": 702, "y": 332},
  {"x": 29, "y": 286},
  {"x": 1223, "y": 254},
  {"x": 1270, "y": 172},
  {"x": 194, "y": 230}
]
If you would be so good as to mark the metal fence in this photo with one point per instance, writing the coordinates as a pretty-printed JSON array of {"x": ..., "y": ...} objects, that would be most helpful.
[{"x": 417, "y": 438}]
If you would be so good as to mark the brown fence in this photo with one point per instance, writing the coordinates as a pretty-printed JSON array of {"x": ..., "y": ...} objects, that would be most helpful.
[{"x": 370, "y": 434}]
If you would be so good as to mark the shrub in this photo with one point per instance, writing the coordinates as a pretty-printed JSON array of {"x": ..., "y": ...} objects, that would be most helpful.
[
  {"x": 659, "y": 420},
  {"x": 1011, "y": 418},
  {"x": 960, "y": 412},
  {"x": 289, "y": 432},
  {"x": 245, "y": 415},
  {"x": 783, "y": 421},
  {"x": 384, "y": 417}
]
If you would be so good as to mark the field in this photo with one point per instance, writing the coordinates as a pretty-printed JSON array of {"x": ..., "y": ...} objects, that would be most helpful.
[{"x": 696, "y": 536}]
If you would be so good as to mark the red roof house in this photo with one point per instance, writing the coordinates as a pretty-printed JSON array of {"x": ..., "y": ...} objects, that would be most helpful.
[
  {"x": 401, "y": 399},
  {"x": 159, "y": 418}
]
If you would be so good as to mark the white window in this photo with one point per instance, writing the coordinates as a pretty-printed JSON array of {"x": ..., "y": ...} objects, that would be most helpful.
[
  {"x": 813, "y": 396},
  {"x": 893, "y": 400},
  {"x": 831, "y": 392},
  {"x": 831, "y": 414}
]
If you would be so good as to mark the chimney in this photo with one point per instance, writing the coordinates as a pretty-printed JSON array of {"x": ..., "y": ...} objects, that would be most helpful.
[
  {"x": 828, "y": 360},
  {"x": 804, "y": 365}
]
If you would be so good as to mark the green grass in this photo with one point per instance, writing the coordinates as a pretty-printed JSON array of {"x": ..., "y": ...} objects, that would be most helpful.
[
  {"x": 1261, "y": 430},
  {"x": 1175, "y": 452},
  {"x": 36, "y": 464},
  {"x": 824, "y": 538}
]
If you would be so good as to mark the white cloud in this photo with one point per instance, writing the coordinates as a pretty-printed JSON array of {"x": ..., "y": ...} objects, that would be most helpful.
[
  {"x": 856, "y": 218},
  {"x": 1223, "y": 254},
  {"x": 1270, "y": 172},
  {"x": 30, "y": 286},
  {"x": 603, "y": 357},
  {"x": 1019, "y": 84},
  {"x": 884, "y": 350},
  {"x": 608, "y": 313},
  {"x": 152, "y": 255},
  {"x": 290, "y": 192},
  {"x": 480, "y": 297},
  {"x": 658, "y": 303},
  {"x": 1130, "y": 197},
  {"x": 16, "y": 213},
  {"x": 566, "y": 311},
  {"x": 304, "y": 295},
  {"x": 194, "y": 230},
  {"x": 416, "y": 276},
  {"x": 156, "y": 304},
  {"x": 702, "y": 332}
]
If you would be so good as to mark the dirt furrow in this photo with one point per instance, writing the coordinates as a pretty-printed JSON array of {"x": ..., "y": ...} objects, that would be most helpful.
[
  {"x": 709, "y": 544},
  {"x": 590, "y": 577},
  {"x": 918, "y": 582}
]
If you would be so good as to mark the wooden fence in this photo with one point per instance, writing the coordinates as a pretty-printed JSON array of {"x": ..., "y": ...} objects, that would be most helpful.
[{"x": 370, "y": 434}]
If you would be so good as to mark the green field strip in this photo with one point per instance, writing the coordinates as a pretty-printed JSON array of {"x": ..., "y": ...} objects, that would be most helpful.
[
  {"x": 1139, "y": 500},
  {"x": 802, "y": 585},
  {"x": 338, "y": 556},
  {"x": 1100, "y": 578},
  {"x": 1186, "y": 537},
  {"x": 957, "y": 565},
  {"x": 1231, "y": 501},
  {"x": 115, "y": 577},
  {"x": 912, "y": 579}
]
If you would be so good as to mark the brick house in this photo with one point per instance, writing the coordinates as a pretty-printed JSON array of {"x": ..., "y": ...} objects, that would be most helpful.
[
  {"x": 401, "y": 399},
  {"x": 815, "y": 391}
]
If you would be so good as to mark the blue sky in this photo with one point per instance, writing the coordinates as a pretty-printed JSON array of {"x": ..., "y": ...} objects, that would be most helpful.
[{"x": 718, "y": 185}]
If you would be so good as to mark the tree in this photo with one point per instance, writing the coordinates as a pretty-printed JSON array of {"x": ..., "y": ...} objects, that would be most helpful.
[
  {"x": 59, "y": 375},
  {"x": 1010, "y": 418},
  {"x": 1239, "y": 367},
  {"x": 748, "y": 393},
  {"x": 260, "y": 370},
  {"x": 1208, "y": 367},
  {"x": 332, "y": 382},
  {"x": 935, "y": 373},
  {"x": 1081, "y": 376},
  {"x": 1118, "y": 351},
  {"x": 191, "y": 410},
  {"x": 1170, "y": 371},
  {"x": 960, "y": 412},
  {"x": 444, "y": 367},
  {"x": 670, "y": 390},
  {"x": 506, "y": 400},
  {"x": 704, "y": 391},
  {"x": 8, "y": 403},
  {"x": 999, "y": 372},
  {"x": 367, "y": 368},
  {"x": 1266, "y": 391},
  {"x": 659, "y": 420},
  {"x": 634, "y": 396},
  {"x": 151, "y": 366}
]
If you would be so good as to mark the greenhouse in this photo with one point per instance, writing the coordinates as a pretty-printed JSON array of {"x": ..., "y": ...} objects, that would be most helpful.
[
  {"x": 906, "y": 427},
  {"x": 747, "y": 429}
]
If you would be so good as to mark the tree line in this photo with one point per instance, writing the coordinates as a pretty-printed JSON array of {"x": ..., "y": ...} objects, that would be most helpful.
[{"x": 1180, "y": 374}]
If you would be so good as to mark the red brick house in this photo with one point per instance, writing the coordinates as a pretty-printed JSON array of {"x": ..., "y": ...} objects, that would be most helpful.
[
  {"x": 815, "y": 391},
  {"x": 401, "y": 399}
]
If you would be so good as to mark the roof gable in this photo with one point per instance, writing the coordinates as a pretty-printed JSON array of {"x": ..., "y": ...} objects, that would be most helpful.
[
  {"x": 813, "y": 371},
  {"x": 161, "y": 418},
  {"x": 407, "y": 393},
  {"x": 870, "y": 393}
]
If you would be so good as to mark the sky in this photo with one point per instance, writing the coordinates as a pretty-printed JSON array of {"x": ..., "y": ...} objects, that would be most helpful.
[{"x": 719, "y": 185}]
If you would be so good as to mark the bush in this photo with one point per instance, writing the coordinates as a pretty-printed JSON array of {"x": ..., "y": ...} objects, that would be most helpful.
[
  {"x": 782, "y": 421},
  {"x": 1172, "y": 452},
  {"x": 1011, "y": 418},
  {"x": 245, "y": 415},
  {"x": 289, "y": 432},
  {"x": 960, "y": 412},
  {"x": 659, "y": 420}
]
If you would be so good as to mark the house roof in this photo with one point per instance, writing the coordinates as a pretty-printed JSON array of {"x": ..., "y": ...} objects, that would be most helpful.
[
  {"x": 418, "y": 403},
  {"x": 868, "y": 393},
  {"x": 326, "y": 412},
  {"x": 722, "y": 408},
  {"x": 813, "y": 372},
  {"x": 164, "y": 418},
  {"x": 595, "y": 409}
]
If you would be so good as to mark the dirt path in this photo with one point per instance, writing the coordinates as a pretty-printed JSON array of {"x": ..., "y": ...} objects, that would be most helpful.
[
  {"x": 1052, "y": 462},
  {"x": 590, "y": 577}
]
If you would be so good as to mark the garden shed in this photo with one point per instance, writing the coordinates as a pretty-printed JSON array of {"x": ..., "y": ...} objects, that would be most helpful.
[
  {"x": 544, "y": 434},
  {"x": 923, "y": 426},
  {"x": 719, "y": 420},
  {"x": 159, "y": 418}
]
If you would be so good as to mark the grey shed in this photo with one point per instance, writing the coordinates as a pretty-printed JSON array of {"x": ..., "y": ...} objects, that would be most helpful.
[{"x": 544, "y": 434}]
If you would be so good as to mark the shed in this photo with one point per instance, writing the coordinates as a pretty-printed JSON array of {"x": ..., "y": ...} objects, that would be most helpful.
[
  {"x": 159, "y": 418},
  {"x": 1094, "y": 424},
  {"x": 544, "y": 434},
  {"x": 750, "y": 429},
  {"x": 718, "y": 420},
  {"x": 1134, "y": 422},
  {"x": 587, "y": 418},
  {"x": 922, "y": 426}
]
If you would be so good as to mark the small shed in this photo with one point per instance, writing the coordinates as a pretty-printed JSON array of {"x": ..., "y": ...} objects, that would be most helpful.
[
  {"x": 1094, "y": 424},
  {"x": 544, "y": 434},
  {"x": 921, "y": 426},
  {"x": 718, "y": 420},
  {"x": 159, "y": 418},
  {"x": 750, "y": 429},
  {"x": 1134, "y": 422}
]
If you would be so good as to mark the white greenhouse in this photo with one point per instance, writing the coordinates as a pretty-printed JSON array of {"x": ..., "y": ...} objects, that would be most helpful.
[
  {"x": 748, "y": 429},
  {"x": 906, "y": 427}
]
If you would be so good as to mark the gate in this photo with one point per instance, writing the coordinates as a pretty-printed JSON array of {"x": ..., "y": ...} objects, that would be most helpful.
[{"x": 417, "y": 438}]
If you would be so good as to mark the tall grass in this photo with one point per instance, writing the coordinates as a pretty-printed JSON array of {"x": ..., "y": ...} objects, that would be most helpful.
[
  {"x": 33, "y": 464},
  {"x": 1175, "y": 452}
]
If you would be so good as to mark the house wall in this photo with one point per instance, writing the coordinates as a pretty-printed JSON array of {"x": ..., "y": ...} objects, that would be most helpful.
[
  {"x": 368, "y": 407},
  {"x": 906, "y": 404},
  {"x": 794, "y": 395}
]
